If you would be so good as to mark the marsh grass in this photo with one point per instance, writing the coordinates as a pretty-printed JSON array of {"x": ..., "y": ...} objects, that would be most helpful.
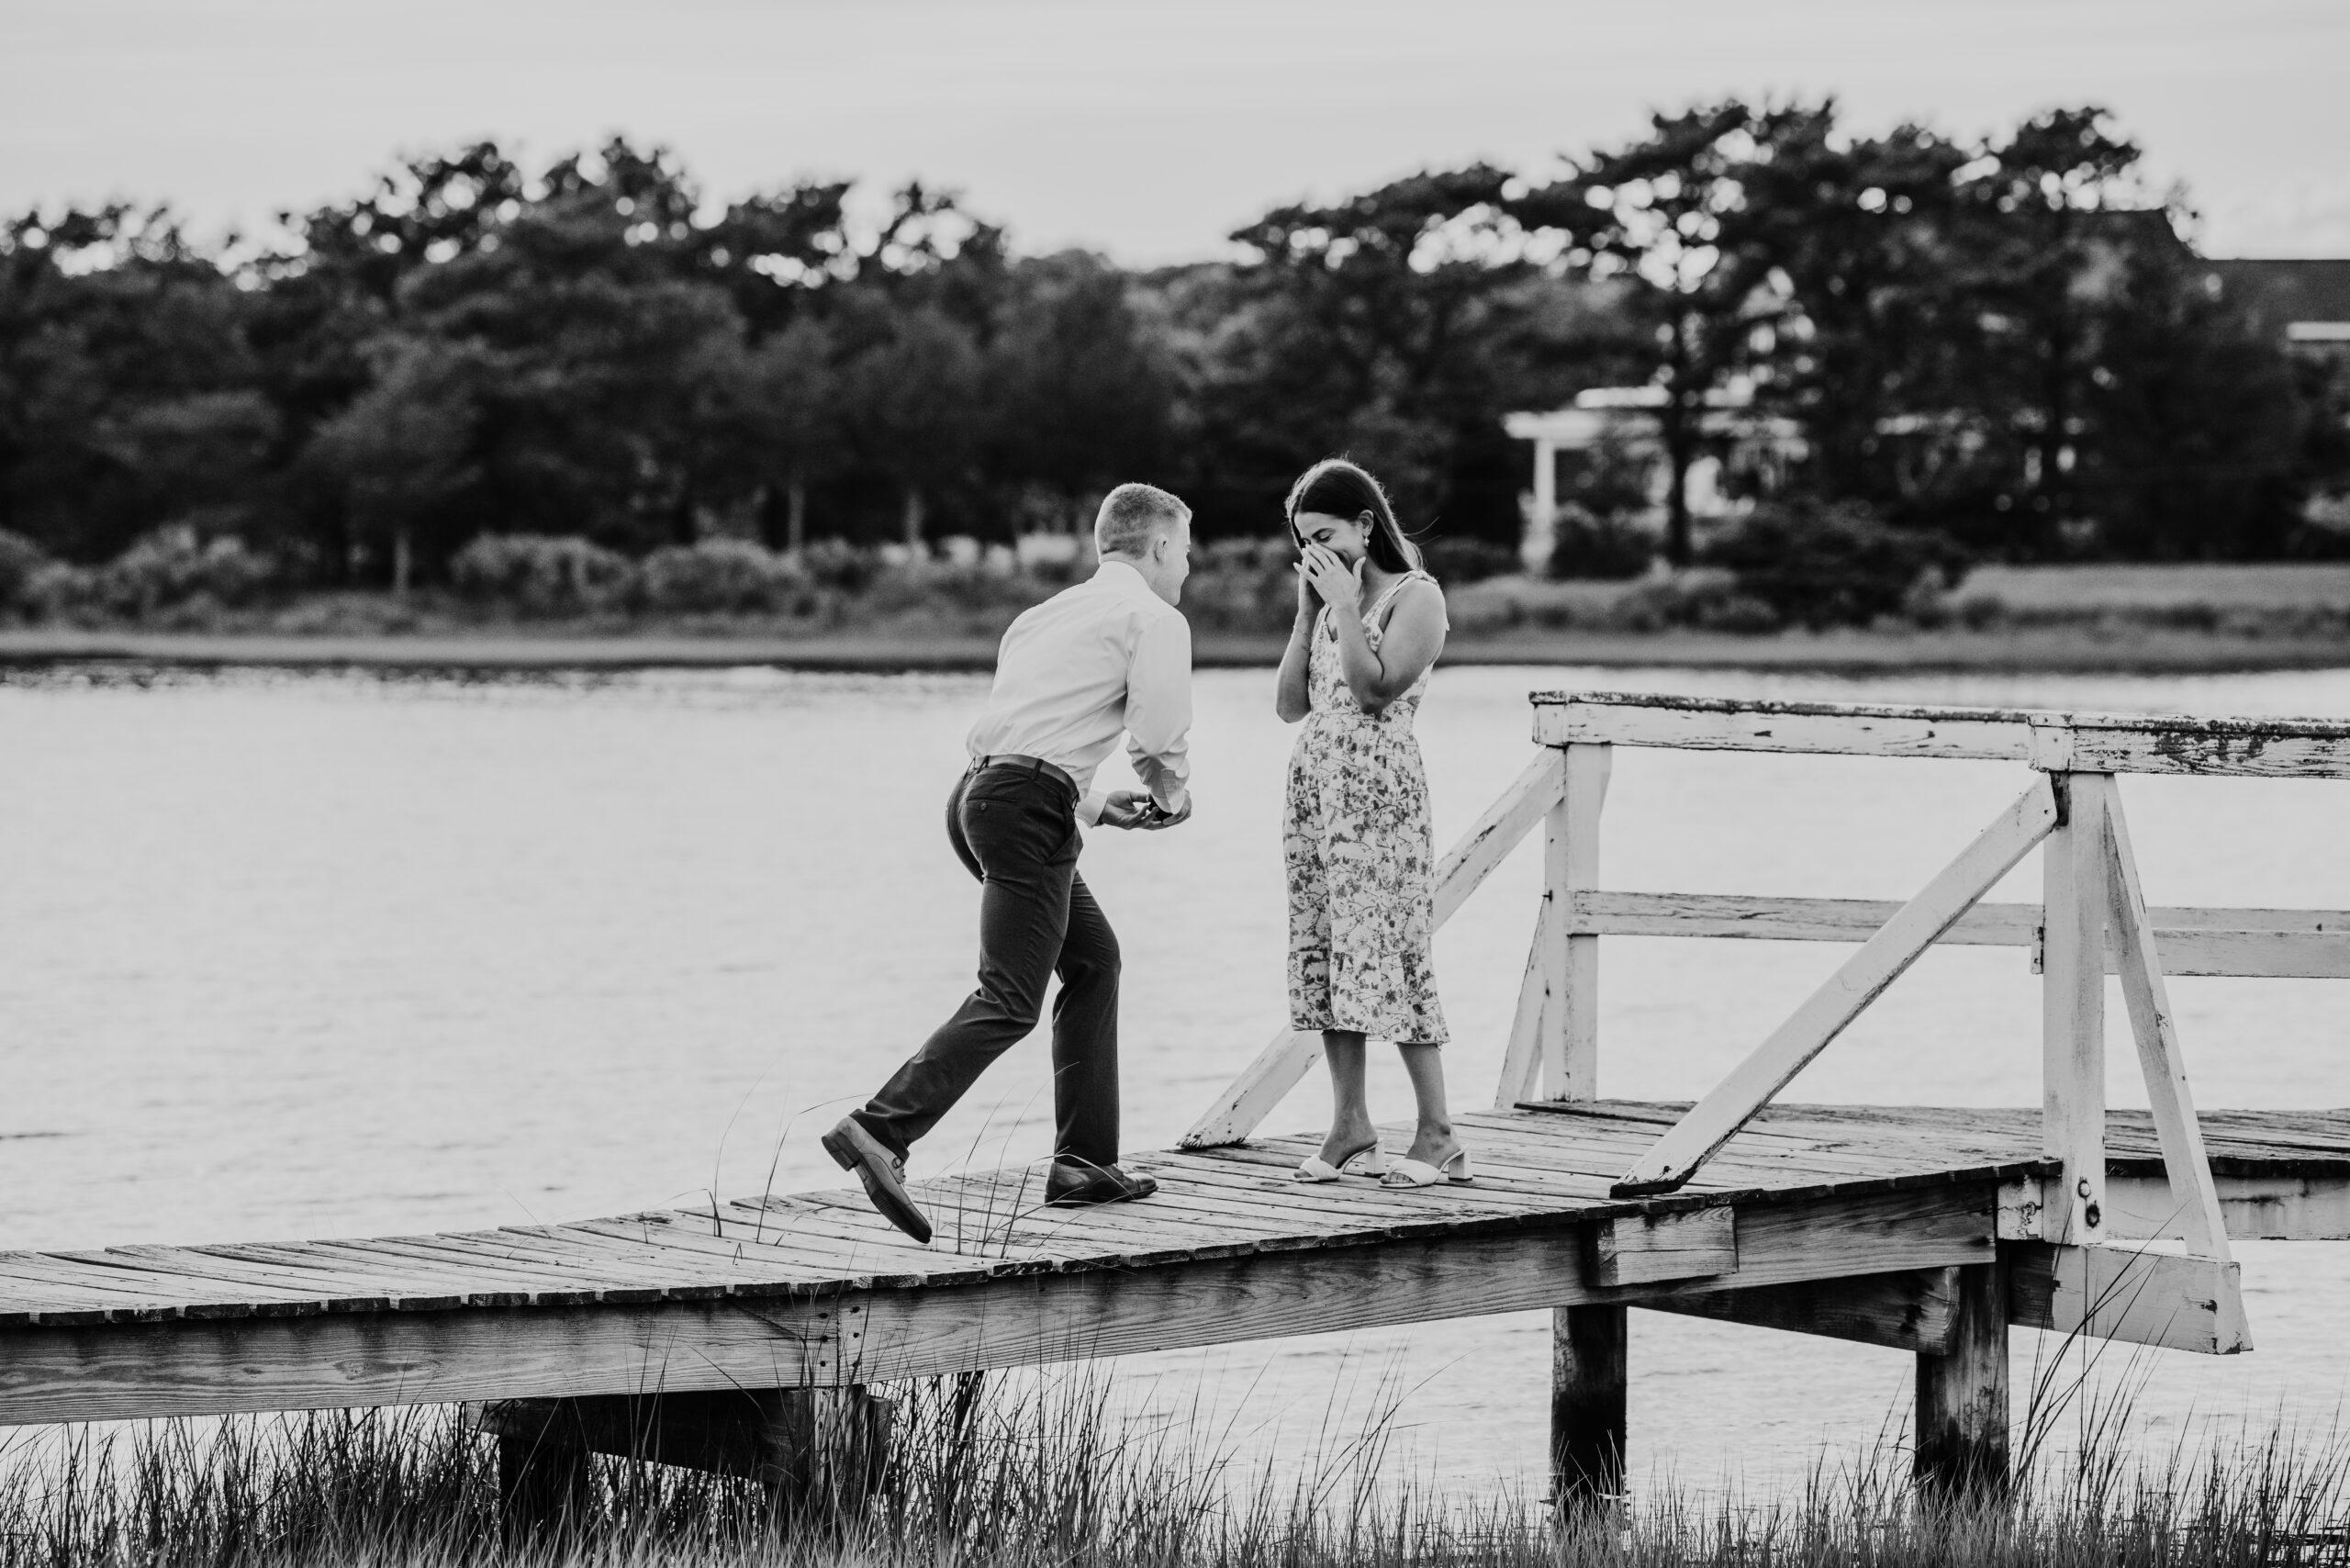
[{"x": 1042, "y": 1470}]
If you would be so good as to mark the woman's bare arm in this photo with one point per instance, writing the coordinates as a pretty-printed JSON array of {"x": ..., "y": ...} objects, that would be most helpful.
[
  {"x": 1290, "y": 700},
  {"x": 1412, "y": 639}
]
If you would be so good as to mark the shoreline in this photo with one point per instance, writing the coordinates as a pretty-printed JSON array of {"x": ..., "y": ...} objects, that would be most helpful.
[{"x": 2070, "y": 650}]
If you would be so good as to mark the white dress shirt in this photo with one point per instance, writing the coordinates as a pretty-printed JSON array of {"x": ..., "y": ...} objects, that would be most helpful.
[{"x": 1100, "y": 657}]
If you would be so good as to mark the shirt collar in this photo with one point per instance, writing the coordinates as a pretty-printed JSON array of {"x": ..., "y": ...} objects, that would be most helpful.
[{"x": 1123, "y": 577}]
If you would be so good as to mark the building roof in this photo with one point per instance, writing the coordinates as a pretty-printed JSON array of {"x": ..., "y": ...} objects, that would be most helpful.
[{"x": 2288, "y": 293}]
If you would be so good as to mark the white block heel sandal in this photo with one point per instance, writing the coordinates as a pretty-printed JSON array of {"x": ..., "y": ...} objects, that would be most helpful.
[
  {"x": 1420, "y": 1173},
  {"x": 1364, "y": 1162}
]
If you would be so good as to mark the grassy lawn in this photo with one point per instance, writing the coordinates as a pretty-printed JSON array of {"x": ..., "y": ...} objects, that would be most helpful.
[{"x": 2317, "y": 584}]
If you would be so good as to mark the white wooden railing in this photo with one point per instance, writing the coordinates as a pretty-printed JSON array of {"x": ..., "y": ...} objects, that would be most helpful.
[{"x": 2092, "y": 920}]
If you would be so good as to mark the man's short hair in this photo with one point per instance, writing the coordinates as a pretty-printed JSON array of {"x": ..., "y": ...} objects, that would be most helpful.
[{"x": 1134, "y": 515}]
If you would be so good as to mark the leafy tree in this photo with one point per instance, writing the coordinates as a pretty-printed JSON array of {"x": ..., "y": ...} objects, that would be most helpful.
[
  {"x": 1079, "y": 394},
  {"x": 2047, "y": 222},
  {"x": 1669, "y": 216},
  {"x": 2190, "y": 417},
  {"x": 125, "y": 395},
  {"x": 400, "y": 452},
  {"x": 910, "y": 402},
  {"x": 1862, "y": 230},
  {"x": 773, "y": 251},
  {"x": 1376, "y": 325},
  {"x": 795, "y": 425}
]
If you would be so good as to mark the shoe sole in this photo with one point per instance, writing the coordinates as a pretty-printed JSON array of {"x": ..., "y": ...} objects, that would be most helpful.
[
  {"x": 1074, "y": 1202},
  {"x": 891, "y": 1203}
]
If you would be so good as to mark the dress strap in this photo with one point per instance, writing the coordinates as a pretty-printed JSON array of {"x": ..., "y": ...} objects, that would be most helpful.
[{"x": 1392, "y": 590}]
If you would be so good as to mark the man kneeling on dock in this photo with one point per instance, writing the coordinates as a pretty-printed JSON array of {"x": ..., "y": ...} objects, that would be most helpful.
[{"x": 1108, "y": 655}]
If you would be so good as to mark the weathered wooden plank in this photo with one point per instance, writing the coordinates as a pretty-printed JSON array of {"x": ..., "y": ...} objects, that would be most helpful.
[
  {"x": 1713, "y": 723},
  {"x": 1529, "y": 1026},
  {"x": 2114, "y": 1292},
  {"x": 2072, "y": 1011},
  {"x": 1906, "y": 1311},
  {"x": 1755, "y": 1149},
  {"x": 1489, "y": 840},
  {"x": 2155, "y": 1030},
  {"x": 2053, "y": 741},
  {"x": 2271, "y": 1208},
  {"x": 1643, "y": 1249},
  {"x": 781, "y": 1262},
  {"x": 417, "y": 1285},
  {"x": 613, "y": 1280},
  {"x": 1287, "y": 1058},
  {"x": 2311, "y": 944},
  {"x": 1880, "y": 960},
  {"x": 131, "y": 1371},
  {"x": 2250, "y": 748}
]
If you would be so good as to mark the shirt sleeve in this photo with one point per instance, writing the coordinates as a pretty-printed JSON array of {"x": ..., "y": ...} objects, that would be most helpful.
[{"x": 1158, "y": 710}]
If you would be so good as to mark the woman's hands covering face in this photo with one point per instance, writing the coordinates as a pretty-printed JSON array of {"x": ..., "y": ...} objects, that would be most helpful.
[{"x": 1329, "y": 578}]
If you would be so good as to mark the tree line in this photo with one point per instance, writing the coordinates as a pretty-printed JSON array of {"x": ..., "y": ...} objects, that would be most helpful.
[{"x": 2004, "y": 342}]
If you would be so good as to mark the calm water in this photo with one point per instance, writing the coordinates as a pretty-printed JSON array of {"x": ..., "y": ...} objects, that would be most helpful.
[{"x": 313, "y": 954}]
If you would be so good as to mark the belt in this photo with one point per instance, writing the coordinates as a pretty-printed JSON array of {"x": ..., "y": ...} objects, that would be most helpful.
[{"x": 1035, "y": 764}]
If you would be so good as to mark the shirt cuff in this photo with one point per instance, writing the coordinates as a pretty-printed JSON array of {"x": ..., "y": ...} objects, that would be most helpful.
[{"x": 1090, "y": 807}]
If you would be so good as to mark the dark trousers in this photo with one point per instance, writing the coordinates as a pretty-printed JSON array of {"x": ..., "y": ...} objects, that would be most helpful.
[{"x": 1016, "y": 831}]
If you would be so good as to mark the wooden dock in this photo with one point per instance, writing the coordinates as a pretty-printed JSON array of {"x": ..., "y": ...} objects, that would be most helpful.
[{"x": 1929, "y": 1230}]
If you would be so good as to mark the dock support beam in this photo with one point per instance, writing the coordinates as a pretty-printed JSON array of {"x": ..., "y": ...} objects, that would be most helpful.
[
  {"x": 1589, "y": 1370},
  {"x": 1962, "y": 1441},
  {"x": 809, "y": 1448}
]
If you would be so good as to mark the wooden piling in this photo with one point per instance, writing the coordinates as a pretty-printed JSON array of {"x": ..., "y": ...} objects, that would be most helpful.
[
  {"x": 1589, "y": 1371},
  {"x": 543, "y": 1487},
  {"x": 1962, "y": 1437}
]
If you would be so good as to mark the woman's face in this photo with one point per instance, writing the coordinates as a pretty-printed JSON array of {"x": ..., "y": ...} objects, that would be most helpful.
[{"x": 1349, "y": 538}]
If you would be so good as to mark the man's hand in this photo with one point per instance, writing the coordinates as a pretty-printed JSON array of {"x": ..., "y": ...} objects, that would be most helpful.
[
  {"x": 1133, "y": 809},
  {"x": 1154, "y": 816},
  {"x": 1125, "y": 809}
]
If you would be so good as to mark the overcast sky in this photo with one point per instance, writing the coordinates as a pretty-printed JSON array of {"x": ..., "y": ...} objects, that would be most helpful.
[{"x": 1145, "y": 130}]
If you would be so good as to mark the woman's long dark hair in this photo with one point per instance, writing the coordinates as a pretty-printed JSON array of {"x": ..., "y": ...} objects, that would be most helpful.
[{"x": 1337, "y": 487}]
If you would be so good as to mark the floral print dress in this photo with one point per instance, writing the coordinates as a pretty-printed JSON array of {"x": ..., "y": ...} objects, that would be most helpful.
[{"x": 1355, "y": 832}]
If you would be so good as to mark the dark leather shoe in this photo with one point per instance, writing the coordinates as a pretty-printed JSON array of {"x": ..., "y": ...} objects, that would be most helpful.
[
  {"x": 1074, "y": 1186},
  {"x": 883, "y": 1173}
]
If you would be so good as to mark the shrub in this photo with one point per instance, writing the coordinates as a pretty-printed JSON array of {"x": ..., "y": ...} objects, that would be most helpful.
[
  {"x": 542, "y": 573},
  {"x": 1468, "y": 560},
  {"x": 1242, "y": 584},
  {"x": 720, "y": 575},
  {"x": 937, "y": 585},
  {"x": 1831, "y": 564},
  {"x": 21, "y": 562},
  {"x": 170, "y": 567},
  {"x": 1583, "y": 545},
  {"x": 837, "y": 564}
]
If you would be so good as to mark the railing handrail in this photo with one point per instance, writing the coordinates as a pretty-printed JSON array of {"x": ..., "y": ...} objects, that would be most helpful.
[{"x": 2052, "y": 741}]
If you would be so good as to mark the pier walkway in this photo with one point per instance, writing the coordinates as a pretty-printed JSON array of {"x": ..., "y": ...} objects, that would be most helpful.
[{"x": 1929, "y": 1230}]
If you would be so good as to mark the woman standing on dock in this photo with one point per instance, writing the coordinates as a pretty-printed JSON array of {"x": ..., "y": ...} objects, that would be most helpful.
[{"x": 1355, "y": 829}]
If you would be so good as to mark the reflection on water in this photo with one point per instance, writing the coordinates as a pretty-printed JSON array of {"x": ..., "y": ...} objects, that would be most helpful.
[{"x": 291, "y": 955}]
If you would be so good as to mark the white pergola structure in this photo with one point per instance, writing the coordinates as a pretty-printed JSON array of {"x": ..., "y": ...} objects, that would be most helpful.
[{"x": 1626, "y": 415}]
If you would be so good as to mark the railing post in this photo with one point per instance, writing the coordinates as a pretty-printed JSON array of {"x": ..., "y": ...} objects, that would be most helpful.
[
  {"x": 2074, "y": 904},
  {"x": 1590, "y": 1346},
  {"x": 1571, "y": 963}
]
